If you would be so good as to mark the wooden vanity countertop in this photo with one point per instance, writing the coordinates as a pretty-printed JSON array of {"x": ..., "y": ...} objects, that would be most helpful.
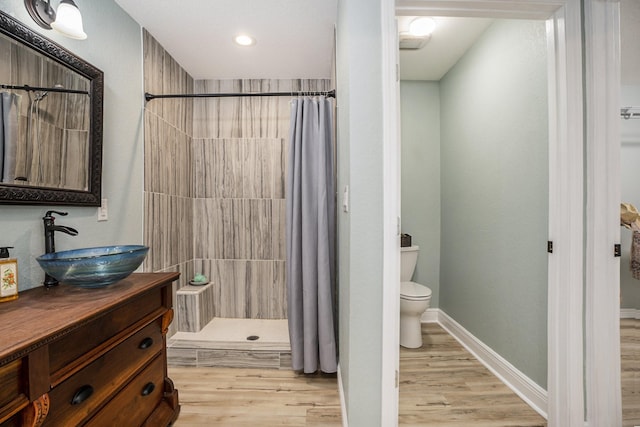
[{"x": 41, "y": 314}]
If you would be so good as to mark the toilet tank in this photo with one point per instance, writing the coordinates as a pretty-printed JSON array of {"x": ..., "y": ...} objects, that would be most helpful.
[{"x": 408, "y": 259}]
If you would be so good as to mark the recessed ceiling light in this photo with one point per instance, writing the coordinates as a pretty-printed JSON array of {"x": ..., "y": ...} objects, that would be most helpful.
[
  {"x": 244, "y": 40},
  {"x": 422, "y": 26}
]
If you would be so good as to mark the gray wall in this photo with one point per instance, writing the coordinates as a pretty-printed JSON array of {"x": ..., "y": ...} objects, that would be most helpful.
[
  {"x": 21, "y": 226},
  {"x": 420, "y": 158},
  {"x": 493, "y": 277},
  {"x": 630, "y": 138},
  {"x": 630, "y": 180},
  {"x": 360, "y": 244}
]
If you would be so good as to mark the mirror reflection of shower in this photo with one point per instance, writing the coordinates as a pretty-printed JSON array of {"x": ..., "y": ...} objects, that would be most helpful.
[
  {"x": 46, "y": 116},
  {"x": 34, "y": 171},
  {"x": 44, "y": 135},
  {"x": 40, "y": 141}
]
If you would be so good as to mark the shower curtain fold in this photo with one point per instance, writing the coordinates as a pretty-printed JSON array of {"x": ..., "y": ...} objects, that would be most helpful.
[
  {"x": 310, "y": 234},
  {"x": 8, "y": 135}
]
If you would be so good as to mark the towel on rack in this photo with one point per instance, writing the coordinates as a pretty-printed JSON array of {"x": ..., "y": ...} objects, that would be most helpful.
[{"x": 635, "y": 255}]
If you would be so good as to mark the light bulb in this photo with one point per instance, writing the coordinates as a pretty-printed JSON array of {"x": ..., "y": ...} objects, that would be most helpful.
[
  {"x": 69, "y": 21},
  {"x": 422, "y": 26},
  {"x": 244, "y": 40}
]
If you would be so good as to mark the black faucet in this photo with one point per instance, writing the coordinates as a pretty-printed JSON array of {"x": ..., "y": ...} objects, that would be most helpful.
[{"x": 49, "y": 242}]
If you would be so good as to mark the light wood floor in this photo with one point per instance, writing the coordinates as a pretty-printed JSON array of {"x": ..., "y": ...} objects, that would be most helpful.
[
  {"x": 442, "y": 384},
  {"x": 630, "y": 378},
  {"x": 239, "y": 397}
]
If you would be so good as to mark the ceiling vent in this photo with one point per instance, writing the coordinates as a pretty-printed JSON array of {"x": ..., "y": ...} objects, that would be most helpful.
[{"x": 410, "y": 42}]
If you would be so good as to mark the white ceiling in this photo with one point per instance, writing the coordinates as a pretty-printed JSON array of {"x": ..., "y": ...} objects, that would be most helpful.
[
  {"x": 449, "y": 42},
  {"x": 294, "y": 38}
]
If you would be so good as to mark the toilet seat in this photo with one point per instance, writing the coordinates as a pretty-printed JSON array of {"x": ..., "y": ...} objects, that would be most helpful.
[{"x": 413, "y": 291}]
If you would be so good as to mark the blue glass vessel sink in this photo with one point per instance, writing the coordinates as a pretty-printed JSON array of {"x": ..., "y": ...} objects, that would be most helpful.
[{"x": 93, "y": 267}]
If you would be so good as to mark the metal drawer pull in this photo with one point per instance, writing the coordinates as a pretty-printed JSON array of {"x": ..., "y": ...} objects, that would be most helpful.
[
  {"x": 82, "y": 394},
  {"x": 146, "y": 343},
  {"x": 148, "y": 389}
]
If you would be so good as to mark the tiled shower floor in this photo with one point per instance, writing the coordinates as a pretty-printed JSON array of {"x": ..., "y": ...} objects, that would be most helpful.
[{"x": 223, "y": 342}]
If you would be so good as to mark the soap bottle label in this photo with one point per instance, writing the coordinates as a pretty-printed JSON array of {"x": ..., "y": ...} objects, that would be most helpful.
[{"x": 8, "y": 278}]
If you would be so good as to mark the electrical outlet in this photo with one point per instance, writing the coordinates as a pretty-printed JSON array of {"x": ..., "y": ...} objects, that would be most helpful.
[{"x": 103, "y": 212}]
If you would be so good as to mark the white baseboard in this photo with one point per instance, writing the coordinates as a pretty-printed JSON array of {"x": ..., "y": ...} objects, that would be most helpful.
[
  {"x": 343, "y": 405},
  {"x": 629, "y": 313},
  {"x": 534, "y": 395},
  {"x": 430, "y": 315}
]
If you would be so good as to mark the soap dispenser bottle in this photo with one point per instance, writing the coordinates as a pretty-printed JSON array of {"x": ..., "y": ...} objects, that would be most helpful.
[{"x": 8, "y": 276}]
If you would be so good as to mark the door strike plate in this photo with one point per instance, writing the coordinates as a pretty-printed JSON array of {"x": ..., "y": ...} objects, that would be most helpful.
[
  {"x": 617, "y": 250},
  {"x": 550, "y": 246}
]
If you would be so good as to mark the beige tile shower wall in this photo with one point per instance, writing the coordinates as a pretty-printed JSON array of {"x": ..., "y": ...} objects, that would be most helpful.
[
  {"x": 240, "y": 158},
  {"x": 214, "y": 184},
  {"x": 251, "y": 289},
  {"x": 168, "y": 174}
]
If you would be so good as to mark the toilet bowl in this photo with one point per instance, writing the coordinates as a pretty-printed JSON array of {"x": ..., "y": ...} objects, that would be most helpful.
[{"x": 414, "y": 300}]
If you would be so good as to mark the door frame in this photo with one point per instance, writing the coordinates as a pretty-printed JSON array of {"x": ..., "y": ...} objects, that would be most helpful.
[
  {"x": 566, "y": 190},
  {"x": 391, "y": 216},
  {"x": 603, "y": 190}
]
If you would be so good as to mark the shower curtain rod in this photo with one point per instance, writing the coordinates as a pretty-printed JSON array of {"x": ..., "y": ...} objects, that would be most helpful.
[
  {"x": 43, "y": 89},
  {"x": 629, "y": 113},
  {"x": 328, "y": 93}
]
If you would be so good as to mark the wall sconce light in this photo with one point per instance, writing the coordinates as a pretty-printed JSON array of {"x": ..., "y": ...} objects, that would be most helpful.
[{"x": 67, "y": 20}]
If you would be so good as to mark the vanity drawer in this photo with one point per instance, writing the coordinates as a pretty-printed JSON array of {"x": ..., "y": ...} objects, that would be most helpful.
[
  {"x": 14, "y": 421},
  {"x": 82, "y": 394},
  {"x": 12, "y": 394},
  {"x": 10, "y": 387},
  {"x": 133, "y": 405},
  {"x": 65, "y": 351}
]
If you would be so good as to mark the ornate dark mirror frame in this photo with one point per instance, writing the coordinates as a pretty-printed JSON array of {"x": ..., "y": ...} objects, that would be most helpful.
[{"x": 15, "y": 194}]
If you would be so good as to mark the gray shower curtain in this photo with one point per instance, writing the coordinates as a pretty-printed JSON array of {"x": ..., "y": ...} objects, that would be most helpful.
[
  {"x": 311, "y": 234},
  {"x": 8, "y": 135}
]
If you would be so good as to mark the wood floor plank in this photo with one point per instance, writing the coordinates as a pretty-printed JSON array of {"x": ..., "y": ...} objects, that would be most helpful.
[
  {"x": 441, "y": 385},
  {"x": 630, "y": 366},
  {"x": 241, "y": 397}
]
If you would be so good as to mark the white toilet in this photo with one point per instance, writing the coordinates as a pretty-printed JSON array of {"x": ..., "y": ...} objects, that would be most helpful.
[{"x": 414, "y": 299}]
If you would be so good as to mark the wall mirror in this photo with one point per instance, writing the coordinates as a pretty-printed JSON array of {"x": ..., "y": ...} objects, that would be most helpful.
[{"x": 50, "y": 121}]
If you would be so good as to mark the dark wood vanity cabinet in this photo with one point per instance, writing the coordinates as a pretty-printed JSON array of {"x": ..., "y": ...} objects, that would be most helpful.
[{"x": 93, "y": 357}]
